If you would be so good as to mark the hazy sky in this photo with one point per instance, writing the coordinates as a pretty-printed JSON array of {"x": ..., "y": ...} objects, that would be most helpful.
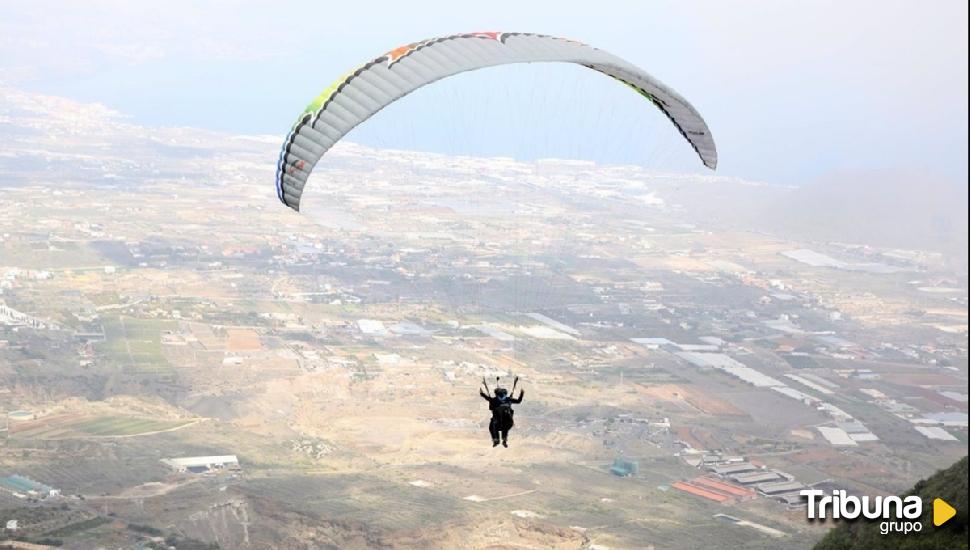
[{"x": 791, "y": 89}]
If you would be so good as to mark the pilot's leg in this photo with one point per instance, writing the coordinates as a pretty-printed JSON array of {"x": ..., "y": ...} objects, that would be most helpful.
[{"x": 493, "y": 430}]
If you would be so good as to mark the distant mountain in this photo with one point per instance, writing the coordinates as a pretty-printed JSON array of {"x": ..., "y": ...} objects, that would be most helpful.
[
  {"x": 949, "y": 484},
  {"x": 879, "y": 208}
]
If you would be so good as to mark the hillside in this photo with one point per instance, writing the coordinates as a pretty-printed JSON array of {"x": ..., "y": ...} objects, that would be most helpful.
[{"x": 949, "y": 484}]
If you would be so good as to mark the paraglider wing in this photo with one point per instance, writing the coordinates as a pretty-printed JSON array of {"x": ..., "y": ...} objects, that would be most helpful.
[{"x": 358, "y": 95}]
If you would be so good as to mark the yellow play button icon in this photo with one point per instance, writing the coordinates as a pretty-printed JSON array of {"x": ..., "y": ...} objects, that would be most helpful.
[{"x": 942, "y": 512}]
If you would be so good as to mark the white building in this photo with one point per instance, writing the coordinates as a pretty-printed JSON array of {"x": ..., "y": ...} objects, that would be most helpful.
[{"x": 200, "y": 464}]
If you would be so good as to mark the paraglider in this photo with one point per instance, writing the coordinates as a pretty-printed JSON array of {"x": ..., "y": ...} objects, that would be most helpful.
[
  {"x": 503, "y": 416},
  {"x": 361, "y": 93},
  {"x": 357, "y": 96}
]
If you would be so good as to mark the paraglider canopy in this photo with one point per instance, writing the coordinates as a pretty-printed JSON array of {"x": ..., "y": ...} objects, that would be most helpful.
[{"x": 363, "y": 92}]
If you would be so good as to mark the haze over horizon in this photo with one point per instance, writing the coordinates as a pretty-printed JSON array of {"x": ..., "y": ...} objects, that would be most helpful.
[{"x": 805, "y": 91}]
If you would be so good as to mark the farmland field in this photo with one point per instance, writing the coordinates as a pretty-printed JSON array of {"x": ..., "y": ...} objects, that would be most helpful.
[
  {"x": 73, "y": 427},
  {"x": 135, "y": 344}
]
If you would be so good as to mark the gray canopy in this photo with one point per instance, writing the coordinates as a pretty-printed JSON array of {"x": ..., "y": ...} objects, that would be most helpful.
[{"x": 356, "y": 96}]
